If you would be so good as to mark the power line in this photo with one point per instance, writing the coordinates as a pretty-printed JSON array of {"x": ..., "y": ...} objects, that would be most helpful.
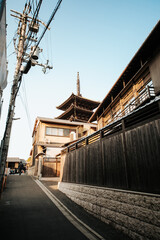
[
  {"x": 34, "y": 19},
  {"x": 21, "y": 51},
  {"x": 25, "y": 105},
  {"x": 28, "y": 66},
  {"x": 50, "y": 20}
]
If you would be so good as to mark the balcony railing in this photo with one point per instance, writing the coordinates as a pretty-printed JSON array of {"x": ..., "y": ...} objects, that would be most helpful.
[
  {"x": 142, "y": 98},
  {"x": 116, "y": 125},
  {"x": 51, "y": 159}
]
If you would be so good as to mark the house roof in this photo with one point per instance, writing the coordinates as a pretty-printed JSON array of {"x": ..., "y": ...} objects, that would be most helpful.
[
  {"x": 15, "y": 159},
  {"x": 88, "y": 102},
  {"x": 143, "y": 55},
  {"x": 59, "y": 122}
]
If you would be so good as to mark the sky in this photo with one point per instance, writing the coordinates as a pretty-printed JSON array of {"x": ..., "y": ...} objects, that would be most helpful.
[{"x": 96, "y": 38}]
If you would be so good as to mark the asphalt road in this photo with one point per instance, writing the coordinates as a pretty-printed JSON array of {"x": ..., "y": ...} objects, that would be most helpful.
[
  {"x": 29, "y": 210},
  {"x": 27, "y": 213}
]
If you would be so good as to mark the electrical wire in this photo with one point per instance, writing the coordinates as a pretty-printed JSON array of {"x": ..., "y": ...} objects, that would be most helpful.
[
  {"x": 50, "y": 20},
  {"x": 35, "y": 15},
  {"x": 25, "y": 105},
  {"x": 42, "y": 35},
  {"x": 11, "y": 54},
  {"x": 29, "y": 34},
  {"x": 51, "y": 52},
  {"x": 12, "y": 39},
  {"x": 9, "y": 43}
]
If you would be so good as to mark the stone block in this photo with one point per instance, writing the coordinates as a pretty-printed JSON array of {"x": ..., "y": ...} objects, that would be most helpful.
[
  {"x": 96, "y": 209},
  {"x": 156, "y": 232},
  {"x": 108, "y": 214},
  {"x": 135, "y": 214}
]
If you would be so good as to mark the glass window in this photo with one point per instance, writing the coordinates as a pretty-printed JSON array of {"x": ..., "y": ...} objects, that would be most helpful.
[
  {"x": 54, "y": 131},
  {"x": 51, "y": 131},
  {"x": 58, "y": 131},
  {"x": 66, "y": 132},
  {"x": 48, "y": 131}
]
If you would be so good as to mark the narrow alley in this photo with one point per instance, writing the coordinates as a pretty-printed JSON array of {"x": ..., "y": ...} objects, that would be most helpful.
[{"x": 29, "y": 210}]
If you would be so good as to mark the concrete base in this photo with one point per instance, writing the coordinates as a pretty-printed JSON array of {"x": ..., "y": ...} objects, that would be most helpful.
[{"x": 135, "y": 214}]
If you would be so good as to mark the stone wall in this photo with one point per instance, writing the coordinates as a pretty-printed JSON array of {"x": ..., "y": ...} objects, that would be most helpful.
[{"x": 136, "y": 214}]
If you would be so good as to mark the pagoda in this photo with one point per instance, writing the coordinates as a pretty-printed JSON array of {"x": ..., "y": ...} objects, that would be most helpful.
[{"x": 76, "y": 107}]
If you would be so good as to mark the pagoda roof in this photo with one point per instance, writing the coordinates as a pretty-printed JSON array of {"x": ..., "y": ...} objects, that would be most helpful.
[
  {"x": 66, "y": 104},
  {"x": 71, "y": 111}
]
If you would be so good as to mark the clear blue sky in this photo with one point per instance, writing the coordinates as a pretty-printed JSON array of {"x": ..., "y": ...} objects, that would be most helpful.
[{"x": 98, "y": 38}]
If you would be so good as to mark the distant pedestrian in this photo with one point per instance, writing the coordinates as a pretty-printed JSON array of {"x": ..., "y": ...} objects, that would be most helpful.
[{"x": 20, "y": 167}]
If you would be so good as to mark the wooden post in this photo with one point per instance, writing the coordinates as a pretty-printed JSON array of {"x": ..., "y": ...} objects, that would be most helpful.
[
  {"x": 124, "y": 84},
  {"x": 86, "y": 141},
  {"x": 101, "y": 134},
  {"x": 148, "y": 91},
  {"x": 102, "y": 158},
  {"x": 56, "y": 167},
  {"x": 125, "y": 153}
]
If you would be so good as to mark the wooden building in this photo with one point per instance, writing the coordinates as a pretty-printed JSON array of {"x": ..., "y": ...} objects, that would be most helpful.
[
  {"x": 138, "y": 83},
  {"x": 76, "y": 107},
  {"x": 118, "y": 165},
  {"x": 13, "y": 163},
  {"x": 49, "y": 137}
]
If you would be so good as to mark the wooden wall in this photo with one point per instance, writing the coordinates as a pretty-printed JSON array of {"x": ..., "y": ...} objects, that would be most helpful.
[
  {"x": 51, "y": 169},
  {"x": 128, "y": 159}
]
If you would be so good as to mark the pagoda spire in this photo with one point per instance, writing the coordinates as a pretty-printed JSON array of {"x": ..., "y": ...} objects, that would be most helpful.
[
  {"x": 76, "y": 107},
  {"x": 78, "y": 85}
]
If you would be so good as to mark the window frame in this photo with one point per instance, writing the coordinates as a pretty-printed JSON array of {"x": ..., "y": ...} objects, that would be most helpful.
[{"x": 59, "y": 133}]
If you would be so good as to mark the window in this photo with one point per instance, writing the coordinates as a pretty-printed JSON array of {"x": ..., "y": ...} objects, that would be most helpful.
[
  {"x": 51, "y": 131},
  {"x": 58, "y": 131},
  {"x": 66, "y": 132}
]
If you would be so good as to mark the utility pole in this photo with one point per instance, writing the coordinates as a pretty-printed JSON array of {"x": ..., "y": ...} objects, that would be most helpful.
[
  {"x": 31, "y": 26},
  {"x": 14, "y": 91}
]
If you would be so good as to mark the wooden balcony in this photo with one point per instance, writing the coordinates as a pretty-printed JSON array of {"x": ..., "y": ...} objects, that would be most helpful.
[
  {"x": 123, "y": 120},
  {"x": 145, "y": 96}
]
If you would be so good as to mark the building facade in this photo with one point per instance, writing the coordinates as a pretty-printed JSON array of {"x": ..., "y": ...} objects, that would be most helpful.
[
  {"x": 13, "y": 162},
  {"x": 3, "y": 58},
  {"x": 49, "y": 137},
  {"x": 139, "y": 83},
  {"x": 114, "y": 173}
]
